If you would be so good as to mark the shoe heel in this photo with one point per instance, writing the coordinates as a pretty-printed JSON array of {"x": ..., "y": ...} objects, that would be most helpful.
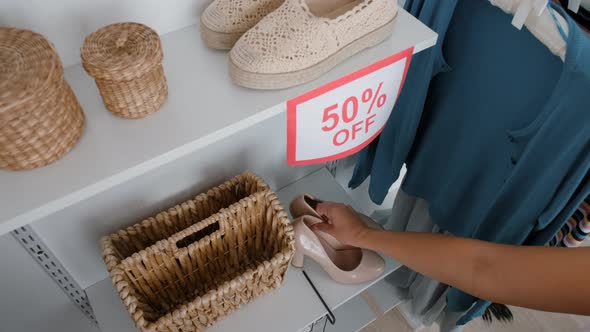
[{"x": 297, "y": 260}]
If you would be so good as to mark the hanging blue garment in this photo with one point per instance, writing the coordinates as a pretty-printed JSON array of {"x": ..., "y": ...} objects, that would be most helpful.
[
  {"x": 502, "y": 149},
  {"x": 384, "y": 157}
]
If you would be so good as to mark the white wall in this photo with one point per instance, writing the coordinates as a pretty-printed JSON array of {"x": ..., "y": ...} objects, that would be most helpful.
[
  {"x": 29, "y": 299},
  {"x": 67, "y": 22}
]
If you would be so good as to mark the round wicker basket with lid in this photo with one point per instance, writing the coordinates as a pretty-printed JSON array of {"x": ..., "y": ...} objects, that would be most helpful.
[
  {"x": 40, "y": 117},
  {"x": 125, "y": 59}
]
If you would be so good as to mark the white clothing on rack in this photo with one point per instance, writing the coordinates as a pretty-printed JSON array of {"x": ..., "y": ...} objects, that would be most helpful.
[{"x": 543, "y": 27}]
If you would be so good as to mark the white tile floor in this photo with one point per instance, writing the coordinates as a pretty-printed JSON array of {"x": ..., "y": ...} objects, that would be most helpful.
[{"x": 525, "y": 320}]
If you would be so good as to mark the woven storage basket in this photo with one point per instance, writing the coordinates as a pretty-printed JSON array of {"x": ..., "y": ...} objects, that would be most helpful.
[
  {"x": 125, "y": 60},
  {"x": 40, "y": 117},
  {"x": 188, "y": 280}
]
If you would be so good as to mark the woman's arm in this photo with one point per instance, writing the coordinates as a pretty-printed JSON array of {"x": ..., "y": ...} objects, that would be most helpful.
[{"x": 543, "y": 278}]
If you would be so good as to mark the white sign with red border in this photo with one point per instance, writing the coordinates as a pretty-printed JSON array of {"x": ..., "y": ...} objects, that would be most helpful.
[{"x": 342, "y": 117}]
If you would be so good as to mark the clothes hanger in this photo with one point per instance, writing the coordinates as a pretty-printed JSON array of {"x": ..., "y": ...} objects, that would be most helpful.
[
  {"x": 540, "y": 20},
  {"x": 574, "y": 5}
]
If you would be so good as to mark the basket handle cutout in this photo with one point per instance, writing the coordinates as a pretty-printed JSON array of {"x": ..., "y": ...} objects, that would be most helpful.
[{"x": 195, "y": 237}]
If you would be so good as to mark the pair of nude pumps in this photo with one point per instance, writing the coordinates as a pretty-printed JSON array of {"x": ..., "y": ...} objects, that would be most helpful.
[
  {"x": 277, "y": 44},
  {"x": 344, "y": 263}
]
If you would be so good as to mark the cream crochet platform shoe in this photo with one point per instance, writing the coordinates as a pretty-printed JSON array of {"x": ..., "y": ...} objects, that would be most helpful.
[
  {"x": 225, "y": 21},
  {"x": 304, "y": 39}
]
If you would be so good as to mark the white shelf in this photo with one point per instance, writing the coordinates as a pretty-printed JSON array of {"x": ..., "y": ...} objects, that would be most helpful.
[
  {"x": 30, "y": 300},
  {"x": 386, "y": 296},
  {"x": 352, "y": 316},
  {"x": 204, "y": 106},
  {"x": 291, "y": 307}
]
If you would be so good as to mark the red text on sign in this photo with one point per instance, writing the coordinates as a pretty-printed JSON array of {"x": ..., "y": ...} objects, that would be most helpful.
[
  {"x": 342, "y": 117},
  {"x": 343, "y": 135},
  {"x": 348, "y": 113}
]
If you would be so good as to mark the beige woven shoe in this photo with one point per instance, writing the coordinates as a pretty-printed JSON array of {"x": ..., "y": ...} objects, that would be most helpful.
[
  {"x": 225, "y": 21},
  {"x": 304, "y": 39}
]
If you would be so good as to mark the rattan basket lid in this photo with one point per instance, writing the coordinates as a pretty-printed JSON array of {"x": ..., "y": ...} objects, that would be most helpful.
[
  {"x": 121, "y": 51},
  {"x": 29, "y": 66}
]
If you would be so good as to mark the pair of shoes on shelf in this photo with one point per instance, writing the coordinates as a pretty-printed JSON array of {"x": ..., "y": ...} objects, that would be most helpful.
[
  {"x": 344, "y": 263},
  {"x": 277, "y": 44}
]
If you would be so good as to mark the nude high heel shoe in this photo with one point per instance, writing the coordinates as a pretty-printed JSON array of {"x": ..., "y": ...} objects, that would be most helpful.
[
  {"x": 350, "y": 265},
  {"x": 306, "y": 204}
]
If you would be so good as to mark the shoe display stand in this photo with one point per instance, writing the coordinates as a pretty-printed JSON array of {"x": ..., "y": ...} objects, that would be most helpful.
[{"x": 121, "y": 171}]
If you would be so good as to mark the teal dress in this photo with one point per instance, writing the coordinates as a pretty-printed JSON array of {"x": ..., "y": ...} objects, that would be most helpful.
[{"x": 494, "y": 129}]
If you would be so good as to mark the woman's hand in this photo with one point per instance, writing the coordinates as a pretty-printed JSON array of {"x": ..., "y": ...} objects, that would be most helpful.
[
  {"x": 342, "y": 222},
  {"x": 517, "y": 275}
]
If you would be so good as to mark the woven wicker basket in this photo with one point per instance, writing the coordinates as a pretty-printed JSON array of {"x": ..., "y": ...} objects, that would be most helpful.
[
  {"x": 235, "y": 244},
  {"x": 40, "y": 117},
  {"x": 125, "y": 60}
]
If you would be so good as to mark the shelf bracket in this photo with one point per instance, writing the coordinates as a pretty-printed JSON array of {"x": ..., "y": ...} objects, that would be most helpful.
[
  {"x": 27, "y": 237},
  {"x": 332, "y": 167}
]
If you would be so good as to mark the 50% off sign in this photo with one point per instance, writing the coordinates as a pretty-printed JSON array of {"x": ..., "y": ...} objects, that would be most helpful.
[{"x": 342, "y": 117}]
